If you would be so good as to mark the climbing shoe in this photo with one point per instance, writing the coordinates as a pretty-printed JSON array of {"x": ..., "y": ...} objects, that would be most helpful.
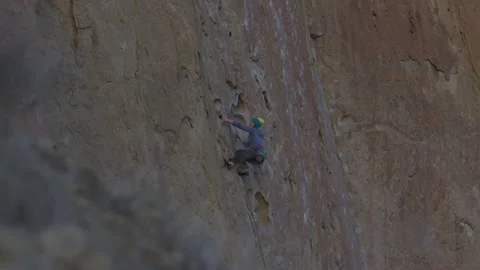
[
  {"x": 243, "y": 172},
  {"x": 228, "y": 163}
]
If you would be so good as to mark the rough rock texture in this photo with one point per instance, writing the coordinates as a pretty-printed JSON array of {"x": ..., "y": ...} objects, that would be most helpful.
[
  {"x": 370, "y": 109},
  {"x": 403, "y": 94}
]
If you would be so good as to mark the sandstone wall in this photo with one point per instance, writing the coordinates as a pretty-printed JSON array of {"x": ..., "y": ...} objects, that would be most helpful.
[
  {"x": 370, "y": 111},
  {"x": 402, "y": 88}
]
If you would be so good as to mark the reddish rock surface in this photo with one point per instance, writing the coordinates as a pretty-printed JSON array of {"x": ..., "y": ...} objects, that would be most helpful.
[
  {"x": 402, "y": 88},
  {"x": 371, "y": 112}
]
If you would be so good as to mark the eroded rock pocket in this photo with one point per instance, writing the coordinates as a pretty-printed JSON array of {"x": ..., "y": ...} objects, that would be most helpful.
[
  {"x": 240, "y": 106},
  {"x": 262, "y": 209},
  {"x": 217, "y": 103}
]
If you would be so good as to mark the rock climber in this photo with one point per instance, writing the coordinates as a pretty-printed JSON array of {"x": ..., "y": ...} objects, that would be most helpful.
[{"x": 255, "y": 152}]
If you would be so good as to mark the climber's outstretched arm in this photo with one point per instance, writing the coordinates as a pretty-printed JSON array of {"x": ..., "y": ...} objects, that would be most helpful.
[
  {"x": 242, "y": 126},
  {"x": 239, "y": 125}
]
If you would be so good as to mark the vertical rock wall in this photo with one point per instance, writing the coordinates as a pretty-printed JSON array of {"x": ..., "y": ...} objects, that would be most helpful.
[{"x": 370, "y": 119}]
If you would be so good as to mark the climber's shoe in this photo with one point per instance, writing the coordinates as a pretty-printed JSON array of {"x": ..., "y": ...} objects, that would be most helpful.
[
  {"x": 243, "y": 172},
  {"x": 228, "y": 163}
]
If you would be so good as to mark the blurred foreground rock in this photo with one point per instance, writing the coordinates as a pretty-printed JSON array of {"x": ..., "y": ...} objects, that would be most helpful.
[{"x": 58, "y": 216}]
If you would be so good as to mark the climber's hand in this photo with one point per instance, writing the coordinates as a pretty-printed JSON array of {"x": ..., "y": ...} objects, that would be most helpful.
[{"x": 228, "y": 120}]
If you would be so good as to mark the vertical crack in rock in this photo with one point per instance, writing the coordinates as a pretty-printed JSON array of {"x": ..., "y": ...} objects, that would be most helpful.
[
  {"x": 267, "y": 101},
  {"x": 74, "y": 25},
  {"x": 253, "y": 225}
]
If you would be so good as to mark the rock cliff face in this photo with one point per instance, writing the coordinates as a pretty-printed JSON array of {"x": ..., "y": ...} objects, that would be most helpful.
[{"x": 370, "y": 115}]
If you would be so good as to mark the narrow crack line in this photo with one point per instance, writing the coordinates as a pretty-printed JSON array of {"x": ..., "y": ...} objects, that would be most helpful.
[
  {"x": 137, "y": 55},
  {"x": 74, "y": 25},
  {"x": 251, "y": 217},
  {"x": 463, "y": 34}
]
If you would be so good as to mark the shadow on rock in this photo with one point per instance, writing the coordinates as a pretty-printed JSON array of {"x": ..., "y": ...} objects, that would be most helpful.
[{"x": 56, "y": 215}]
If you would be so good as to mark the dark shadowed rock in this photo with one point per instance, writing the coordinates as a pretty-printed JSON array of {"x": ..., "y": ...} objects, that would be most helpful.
[{"x": 50, "y": 220}]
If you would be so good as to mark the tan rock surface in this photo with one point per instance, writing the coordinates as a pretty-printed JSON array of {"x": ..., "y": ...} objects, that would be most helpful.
[
  {"x": 370, "y": 108},
  {"x": 403, "y": 92}
]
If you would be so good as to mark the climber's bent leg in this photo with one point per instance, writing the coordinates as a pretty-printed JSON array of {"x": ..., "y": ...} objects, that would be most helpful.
[{"x": 244, "y": 155}]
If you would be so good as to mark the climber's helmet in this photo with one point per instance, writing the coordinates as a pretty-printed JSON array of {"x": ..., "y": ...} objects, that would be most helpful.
[{"x": 256, "y": 122}]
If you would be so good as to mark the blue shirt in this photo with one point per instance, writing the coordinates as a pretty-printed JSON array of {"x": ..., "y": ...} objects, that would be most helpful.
[{"x": 255, "y": 135}]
